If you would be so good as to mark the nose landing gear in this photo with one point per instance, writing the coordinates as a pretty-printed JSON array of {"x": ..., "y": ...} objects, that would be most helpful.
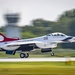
[{"x": 52, "y": 54}]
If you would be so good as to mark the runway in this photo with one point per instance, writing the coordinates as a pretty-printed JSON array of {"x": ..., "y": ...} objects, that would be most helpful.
[{"x": 36, "y": 59}]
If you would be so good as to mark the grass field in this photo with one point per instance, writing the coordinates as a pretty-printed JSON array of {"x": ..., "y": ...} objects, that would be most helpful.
[{"x": 37, "y": 68}]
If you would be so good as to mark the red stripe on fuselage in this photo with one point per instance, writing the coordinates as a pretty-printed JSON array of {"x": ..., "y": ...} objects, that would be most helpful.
[
  {"x": 9, "y": 39},
  {"x": 5, "y": 39}
]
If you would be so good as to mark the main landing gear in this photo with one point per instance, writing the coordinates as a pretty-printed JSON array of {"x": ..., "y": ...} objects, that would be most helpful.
[{"x": 24, "y": 55}]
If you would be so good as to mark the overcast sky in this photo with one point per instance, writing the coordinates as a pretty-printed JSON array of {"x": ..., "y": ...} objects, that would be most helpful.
[{"x": 33, "y": 9}]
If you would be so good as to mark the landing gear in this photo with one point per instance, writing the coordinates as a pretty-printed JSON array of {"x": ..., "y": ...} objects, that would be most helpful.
[
  {"x": 24, "y": 55},
  {"x": 47, "y": 50},
  {"x": 52, "y": 54}
]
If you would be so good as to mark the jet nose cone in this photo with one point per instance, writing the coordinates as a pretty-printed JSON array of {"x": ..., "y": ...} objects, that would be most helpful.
[{"x": 72, "y": 40}]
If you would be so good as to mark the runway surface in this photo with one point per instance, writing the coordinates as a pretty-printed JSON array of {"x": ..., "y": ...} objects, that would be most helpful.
[{"x": 36, "y": 59}]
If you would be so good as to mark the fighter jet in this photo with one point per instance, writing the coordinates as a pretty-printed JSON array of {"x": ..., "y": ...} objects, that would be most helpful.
[{"x": 45, "y": 43}]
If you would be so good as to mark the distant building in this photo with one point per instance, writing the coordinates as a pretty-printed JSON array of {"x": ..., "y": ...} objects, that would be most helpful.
[{"x": 11, "y": 28}]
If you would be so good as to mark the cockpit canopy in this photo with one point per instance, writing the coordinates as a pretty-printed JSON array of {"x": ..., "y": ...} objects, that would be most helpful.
[{"x": 56, "y": 34}]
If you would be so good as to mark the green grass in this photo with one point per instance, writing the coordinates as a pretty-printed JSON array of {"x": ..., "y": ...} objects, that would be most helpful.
[{"x": 37, "y": 68}]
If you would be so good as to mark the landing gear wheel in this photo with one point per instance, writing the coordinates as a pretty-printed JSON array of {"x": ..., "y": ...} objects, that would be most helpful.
[
  {"x": 22, "y": 55},
  {"x": 52, "y": 54},
  {"x": 26, "y": 55}
]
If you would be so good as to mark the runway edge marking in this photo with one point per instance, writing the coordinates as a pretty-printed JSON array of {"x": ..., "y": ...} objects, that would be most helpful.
[{"x": 36, "y": 59}]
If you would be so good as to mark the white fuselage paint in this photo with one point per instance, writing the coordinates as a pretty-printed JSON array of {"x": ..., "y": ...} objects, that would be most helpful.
[
  {"x": 1, "y": 38},
  {"x": 8, "y": 47},
  {"x": 48, "y": 41},
  {"x": 11, "y": 48}
]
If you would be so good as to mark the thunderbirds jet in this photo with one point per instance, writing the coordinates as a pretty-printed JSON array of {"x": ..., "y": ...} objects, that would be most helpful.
[{"x": 45, "y": 43}]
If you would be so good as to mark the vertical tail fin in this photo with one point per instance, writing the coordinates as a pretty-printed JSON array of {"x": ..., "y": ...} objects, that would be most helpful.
[{"x": 5, "y": 39}]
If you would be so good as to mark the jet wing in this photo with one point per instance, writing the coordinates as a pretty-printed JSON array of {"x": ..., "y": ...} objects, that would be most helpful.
[{"x": 18, "y": 43}]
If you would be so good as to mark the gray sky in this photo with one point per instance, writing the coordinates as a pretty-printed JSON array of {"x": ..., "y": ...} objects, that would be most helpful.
[{"x": 33, "y": 9}]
